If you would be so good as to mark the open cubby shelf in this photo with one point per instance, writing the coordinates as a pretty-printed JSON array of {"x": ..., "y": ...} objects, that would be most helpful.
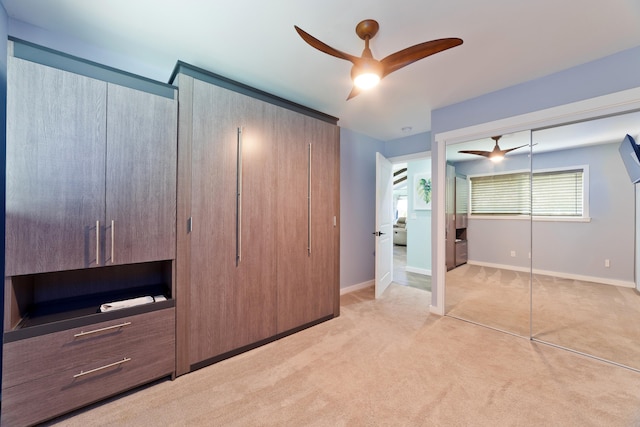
[{"x": 49, "y": 302}]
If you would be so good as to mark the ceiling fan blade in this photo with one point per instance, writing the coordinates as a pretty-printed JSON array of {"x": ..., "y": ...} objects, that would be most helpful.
[
  {"x": 323, "y": 47},
  {"x": 355, "y": 91},
  {"x": 404, "y": 57},
  {"x": 511, "y": 149},
  {"x": 476, "y": 152}
]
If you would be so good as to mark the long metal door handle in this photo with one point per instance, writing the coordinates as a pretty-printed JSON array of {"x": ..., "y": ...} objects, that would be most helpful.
[
  {"x": 113, "y": 240},
  {"x": 110, "y": 365},
  {"x": 95, "y": 331},
  {"x": 309, "y": 202},
  {"x": 98, "y": 242},
  {"x": 239, "y": 198}
]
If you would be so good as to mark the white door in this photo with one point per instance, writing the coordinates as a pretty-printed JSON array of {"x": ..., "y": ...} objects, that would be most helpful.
[{"x": 384, "y": 224}]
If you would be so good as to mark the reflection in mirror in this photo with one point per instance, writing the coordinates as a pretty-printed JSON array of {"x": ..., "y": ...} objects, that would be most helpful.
[
  {"x": 585, "y": 296},
  {"x": 489, "y": 232}
]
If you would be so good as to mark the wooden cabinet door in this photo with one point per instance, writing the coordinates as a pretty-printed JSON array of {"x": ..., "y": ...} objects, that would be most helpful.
[
  {"x": 325, "y": 235},
  {"x": 307, "y": 206},
  {"x": 232, "y": 301},
  {"x": 55, "y": 168},
  {"x": 294, "y": 259},
  {"x": 141, "y": 177}
]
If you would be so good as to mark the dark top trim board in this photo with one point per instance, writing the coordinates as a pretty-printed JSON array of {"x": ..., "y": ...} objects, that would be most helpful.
[
  {"x": 63, "y": 61},
  {"x": 218, "y": 80}
]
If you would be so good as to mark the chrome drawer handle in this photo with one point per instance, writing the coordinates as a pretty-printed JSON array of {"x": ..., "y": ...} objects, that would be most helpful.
[
  {"x": 95, "y": 331},
  {"x": 110, "y": 365}
]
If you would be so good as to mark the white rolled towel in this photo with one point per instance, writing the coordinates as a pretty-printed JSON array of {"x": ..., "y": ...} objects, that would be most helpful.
[{"x": 117, "y": 305}]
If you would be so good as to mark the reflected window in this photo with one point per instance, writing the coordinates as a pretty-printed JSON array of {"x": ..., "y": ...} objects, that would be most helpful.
[{"x": 554, "y": 193}]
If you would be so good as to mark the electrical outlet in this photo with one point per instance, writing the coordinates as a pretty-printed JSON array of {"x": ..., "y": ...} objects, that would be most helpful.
[
  {"x": 607, "y": 263},
  {"x": 513, "y": 253}
]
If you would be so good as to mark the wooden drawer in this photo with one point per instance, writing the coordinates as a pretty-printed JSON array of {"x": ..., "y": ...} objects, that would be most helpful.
[
  {"x": 461, "y": 252},
  {"x": 32, "y": 358},
  {"x": 52, "y": 374}
]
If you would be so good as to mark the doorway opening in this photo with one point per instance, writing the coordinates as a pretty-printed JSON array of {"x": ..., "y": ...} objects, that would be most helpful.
[{"x": 412, "y": 221}]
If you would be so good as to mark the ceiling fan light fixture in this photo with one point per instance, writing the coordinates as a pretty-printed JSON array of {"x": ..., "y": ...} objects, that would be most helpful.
[
  {"x": 496, "y": 157},
  {"x": 366, "y": 74},
  {"x": 366, "y": 80}
]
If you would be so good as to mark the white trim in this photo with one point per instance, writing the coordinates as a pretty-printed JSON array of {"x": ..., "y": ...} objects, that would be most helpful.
[
  {"x": 416, "y": 270},
  {"x": 357, "y": 287},
  {"x": 561, "y": 275},
  {"x": 439, "y": 185},
  {"x": 614, "y": 103},
  {"x": 408, "y": 157}
]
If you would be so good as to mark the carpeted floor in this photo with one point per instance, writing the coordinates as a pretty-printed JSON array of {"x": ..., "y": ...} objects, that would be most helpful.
[
  {"x": 387, "y": 362},
  {"x": 596, "y": 319}
]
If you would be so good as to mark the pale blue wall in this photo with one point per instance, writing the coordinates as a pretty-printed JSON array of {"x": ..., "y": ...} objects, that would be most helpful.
[
  {"x": 52, "y": 40},
  {"x": 418, "y": 222},
  {"x": 357, "y": 206},
  {"x": 610, "y": 74},
  {"x": 418, "y": 143}
]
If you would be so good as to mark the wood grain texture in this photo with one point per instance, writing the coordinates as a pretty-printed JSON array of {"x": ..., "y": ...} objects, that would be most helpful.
[
  {"x": 55, "y": 168},
  {"x": 141, "y": 176},
  {"x": 306, "y": 282},
  {"x": 183, "y": 246},
  {"x": 336, "y": 231},
  {"x": 38, "y": 373},
  {"x": 231, "y": 306}
]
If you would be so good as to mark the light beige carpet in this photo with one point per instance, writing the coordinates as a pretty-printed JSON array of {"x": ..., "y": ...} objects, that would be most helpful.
[
  {"x": 387, "y": 362},
  {"x": 597, "y": 319}
]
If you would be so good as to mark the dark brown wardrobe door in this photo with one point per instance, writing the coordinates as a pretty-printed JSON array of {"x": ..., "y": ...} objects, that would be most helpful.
[{"x": 233, "y": 245}]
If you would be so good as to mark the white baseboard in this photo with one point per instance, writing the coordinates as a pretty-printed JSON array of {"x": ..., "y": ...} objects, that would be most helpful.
[
  {"x": 570, "y": 276},
  {"x": 357, "y": 287},
  {"x": 423, "y": 271}
]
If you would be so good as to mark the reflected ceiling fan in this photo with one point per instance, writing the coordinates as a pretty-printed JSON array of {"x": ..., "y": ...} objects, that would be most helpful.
[
  {"x": 368, "y": 71},
  {"x": 496, "y": 154}
]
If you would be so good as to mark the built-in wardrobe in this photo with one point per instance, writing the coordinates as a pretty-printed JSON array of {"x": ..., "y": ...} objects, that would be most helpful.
[
  {"x": 152, "y": 230},
  {"x": 90, "y": 220},
  {"x": 258, "y": 209}
]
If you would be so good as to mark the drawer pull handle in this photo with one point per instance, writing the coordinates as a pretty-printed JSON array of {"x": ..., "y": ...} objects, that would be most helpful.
[
  {"x": 95, "y": 331},
  {"x": 110, "y": 365}
]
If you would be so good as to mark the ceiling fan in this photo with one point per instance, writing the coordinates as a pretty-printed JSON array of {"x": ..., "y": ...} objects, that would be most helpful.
[
  {"x": 496, "y": 154},
  {"x": 367, "y": 71}
]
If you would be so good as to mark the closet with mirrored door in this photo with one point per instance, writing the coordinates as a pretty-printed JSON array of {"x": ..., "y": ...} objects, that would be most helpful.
[{"x": 552, "y": 238}]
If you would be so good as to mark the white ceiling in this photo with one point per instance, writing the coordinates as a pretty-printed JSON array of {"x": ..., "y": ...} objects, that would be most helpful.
[{"x": 506, "y": 42}]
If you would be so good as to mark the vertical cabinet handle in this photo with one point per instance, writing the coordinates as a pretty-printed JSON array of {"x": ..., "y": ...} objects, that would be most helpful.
[
  {"x": 309, "y": 202},
  {"x": 113, "y": 235},
  {"x": 239, "y": 197},
  {"x": 98, "y": 242}
]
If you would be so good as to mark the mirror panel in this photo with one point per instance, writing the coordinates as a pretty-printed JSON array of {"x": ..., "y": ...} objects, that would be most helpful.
[
  {"x": 584, "y": 294},
  {"x": 489, "y": 283}
]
